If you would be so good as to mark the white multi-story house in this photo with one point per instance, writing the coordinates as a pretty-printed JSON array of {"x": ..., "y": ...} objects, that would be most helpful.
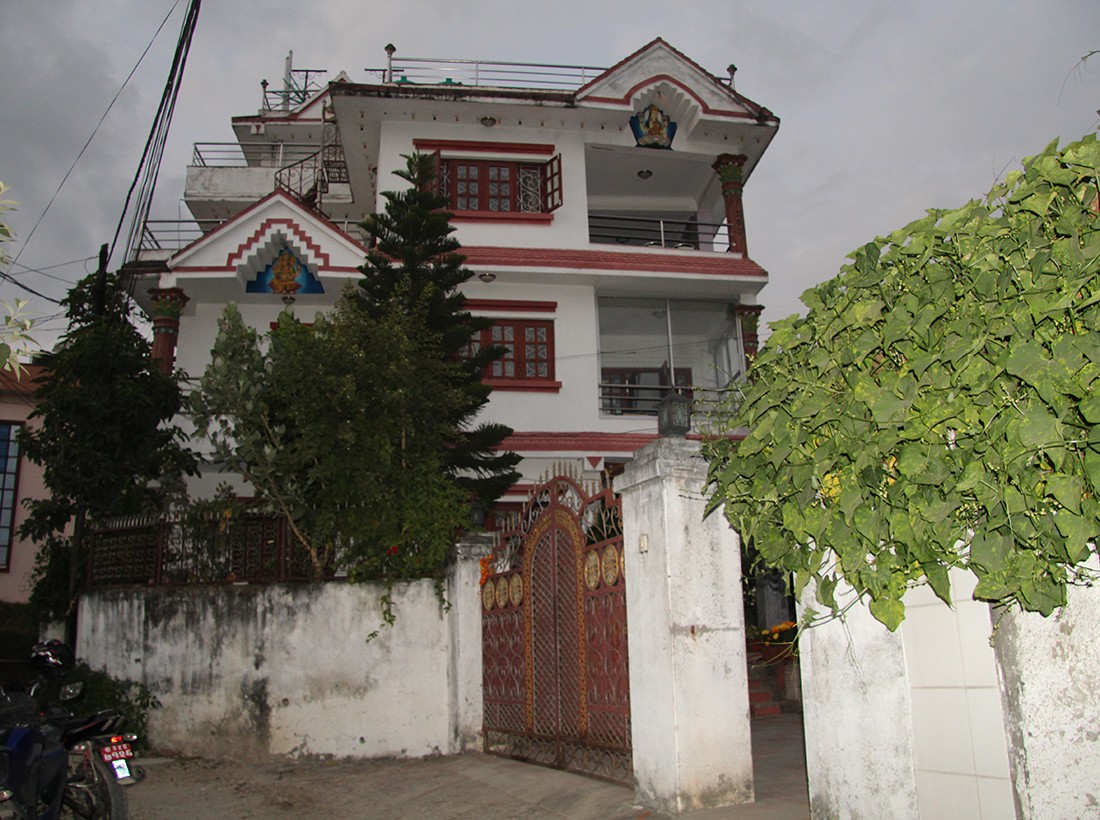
[{"x": 599, "y": 208}]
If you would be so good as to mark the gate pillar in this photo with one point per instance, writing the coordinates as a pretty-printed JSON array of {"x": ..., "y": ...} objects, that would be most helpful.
[
  {"x": 688, "y": 681},
  {"x": 465, "y": 625}
]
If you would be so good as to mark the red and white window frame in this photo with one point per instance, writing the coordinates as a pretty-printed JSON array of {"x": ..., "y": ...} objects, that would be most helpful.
[
  {"x": 526, "y": 329},
  {"x": 497, "y": 181}
]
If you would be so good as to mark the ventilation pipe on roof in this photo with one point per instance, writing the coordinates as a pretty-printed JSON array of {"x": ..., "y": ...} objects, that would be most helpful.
[{"x": 732, "y": 69}]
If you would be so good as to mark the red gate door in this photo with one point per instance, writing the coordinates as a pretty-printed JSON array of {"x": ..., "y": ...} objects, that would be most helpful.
[{"x": 556, "y": 687}]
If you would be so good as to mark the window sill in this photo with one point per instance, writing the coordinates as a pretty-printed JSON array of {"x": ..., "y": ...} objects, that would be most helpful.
[
  {"x": 524, "y": 385},
  {"x": 514, "y": 217}
]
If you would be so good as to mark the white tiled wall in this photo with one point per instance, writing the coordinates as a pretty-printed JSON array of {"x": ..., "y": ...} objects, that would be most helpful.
[{"x": 961, "y": 755}]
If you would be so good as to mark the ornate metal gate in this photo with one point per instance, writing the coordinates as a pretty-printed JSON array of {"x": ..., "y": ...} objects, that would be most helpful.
[{"x": 556, "y": 688}]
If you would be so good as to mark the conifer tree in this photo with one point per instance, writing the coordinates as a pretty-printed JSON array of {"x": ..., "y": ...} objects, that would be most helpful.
[
  {"x": 103, "y": 435},
  {"x": 414, "y": 270}
]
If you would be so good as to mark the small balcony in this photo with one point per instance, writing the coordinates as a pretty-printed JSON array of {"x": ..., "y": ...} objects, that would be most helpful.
[
  {"x": 250, "y": 154},
  {"x": 676, "y": 233}
]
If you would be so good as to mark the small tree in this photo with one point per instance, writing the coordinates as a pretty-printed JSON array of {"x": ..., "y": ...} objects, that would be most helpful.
[
  {"x": 104, "y": 436},
  {"x": 938, "y": 407},
  {"x": 326, "y": 426},
  {"x": 354, "y": 428}
]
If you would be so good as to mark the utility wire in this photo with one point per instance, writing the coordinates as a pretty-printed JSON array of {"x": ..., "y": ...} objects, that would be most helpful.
[
  {"x": 149, "y": 167},
  {"x": 4, "y": 274}
]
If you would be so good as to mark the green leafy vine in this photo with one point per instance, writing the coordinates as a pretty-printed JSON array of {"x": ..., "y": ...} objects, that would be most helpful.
[{"x": 938, "y": 407}]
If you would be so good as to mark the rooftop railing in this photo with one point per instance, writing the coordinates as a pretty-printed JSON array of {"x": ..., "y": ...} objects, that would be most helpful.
[
  {"x": 259, "y": 154},
  {"x": 433, "y": 71}
]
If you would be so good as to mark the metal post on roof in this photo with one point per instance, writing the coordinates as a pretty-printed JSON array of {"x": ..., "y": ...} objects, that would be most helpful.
[{"x": 390, "y": 49}]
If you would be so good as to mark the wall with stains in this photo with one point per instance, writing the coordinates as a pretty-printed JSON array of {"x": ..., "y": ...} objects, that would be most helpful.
[
  {"x": 248, "y": 671},
  {"x": 1050, "y": 669}
]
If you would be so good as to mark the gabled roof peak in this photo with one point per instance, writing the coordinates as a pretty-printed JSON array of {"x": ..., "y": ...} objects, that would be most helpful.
[{"x": 633, "y": 78}]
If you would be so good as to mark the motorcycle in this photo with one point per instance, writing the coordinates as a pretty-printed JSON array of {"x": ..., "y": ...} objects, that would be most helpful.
[{"x": 56, "y": 765}]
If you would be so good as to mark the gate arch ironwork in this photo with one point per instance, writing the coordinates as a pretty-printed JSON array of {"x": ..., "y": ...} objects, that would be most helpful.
[{"x": 556, "y": 686}]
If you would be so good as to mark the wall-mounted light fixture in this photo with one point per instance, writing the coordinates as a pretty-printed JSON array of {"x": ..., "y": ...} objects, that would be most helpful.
[
  {"x": 486, "y": 277},
  {"x": 645, "y": 173},
  {"x": 488, "y": 121}
]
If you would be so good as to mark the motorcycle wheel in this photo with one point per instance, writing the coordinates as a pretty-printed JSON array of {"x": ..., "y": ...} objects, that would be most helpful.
[{"x": 92, "y": 792}]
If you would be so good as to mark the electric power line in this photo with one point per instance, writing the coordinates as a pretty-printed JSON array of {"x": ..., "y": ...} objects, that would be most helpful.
[{"x": 64, "y": 179}]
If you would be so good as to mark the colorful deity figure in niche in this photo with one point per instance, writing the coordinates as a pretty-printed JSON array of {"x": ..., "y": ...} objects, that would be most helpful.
[
  {"x": 284, "y": 273},
  {"x": 653, "y": 128}
]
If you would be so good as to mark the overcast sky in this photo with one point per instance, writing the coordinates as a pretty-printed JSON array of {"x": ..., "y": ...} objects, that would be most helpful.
[{"x": 887, "y": 108}]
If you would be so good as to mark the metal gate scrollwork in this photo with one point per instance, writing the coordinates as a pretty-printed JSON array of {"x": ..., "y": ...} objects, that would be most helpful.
[{"x": 556, "y": 687}]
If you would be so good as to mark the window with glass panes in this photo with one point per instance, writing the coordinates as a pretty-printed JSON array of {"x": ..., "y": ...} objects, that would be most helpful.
[
  {"x": 9, "y": 473},
  {"x": 529, "y": 346},
  {"x": 477, "y": 185}
]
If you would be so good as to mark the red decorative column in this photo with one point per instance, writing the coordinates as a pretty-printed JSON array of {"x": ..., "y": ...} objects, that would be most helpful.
[
  {"x": 168, "y": 304},
  {"x": 730, "y": 168},
  {"x": 749, "y": 315}
]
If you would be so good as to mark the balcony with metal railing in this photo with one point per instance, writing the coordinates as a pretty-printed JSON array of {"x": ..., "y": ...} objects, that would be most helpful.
[
  {"x": 250, "y": 154},
  {"x": 656, "y": 232}
]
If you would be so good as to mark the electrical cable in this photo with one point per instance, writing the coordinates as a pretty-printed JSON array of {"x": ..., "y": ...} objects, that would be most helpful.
[
  {"x": 145, "y": 179},
  {"x": 4, "y": 274}
]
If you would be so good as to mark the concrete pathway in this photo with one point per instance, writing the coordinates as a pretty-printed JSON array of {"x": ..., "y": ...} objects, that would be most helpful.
[{"x": 473, "y": 786}]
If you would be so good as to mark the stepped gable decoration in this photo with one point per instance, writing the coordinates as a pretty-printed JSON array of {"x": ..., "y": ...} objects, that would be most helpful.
[
  {"x": 275, "y": 246},
  {"x": 286, "y": 275},
  {"x": 653, "y": 128}
]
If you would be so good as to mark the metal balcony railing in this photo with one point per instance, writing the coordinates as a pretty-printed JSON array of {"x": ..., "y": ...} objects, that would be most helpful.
[
  {"x": 174, "y": 234},
  {"x": 250, "y": 155},
  {"x": 679, "y": 234},
  {"x": 642, "y": 400},
  {"x": 435, "y": 71}
]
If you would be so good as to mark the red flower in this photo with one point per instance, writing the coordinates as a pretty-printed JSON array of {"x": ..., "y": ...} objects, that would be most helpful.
[{"x": 392, "y": 550}]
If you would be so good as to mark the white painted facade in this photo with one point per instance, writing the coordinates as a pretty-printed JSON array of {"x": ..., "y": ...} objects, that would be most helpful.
[{"x": 634, "y": 222}]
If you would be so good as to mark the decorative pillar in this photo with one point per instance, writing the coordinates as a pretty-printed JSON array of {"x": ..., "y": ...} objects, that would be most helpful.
[
  {"x": 730, "y": 168},
  {"x": 168, "y": 304},
  {"x": 688, "y": 681},
  {"x": 749, "y": 315}
]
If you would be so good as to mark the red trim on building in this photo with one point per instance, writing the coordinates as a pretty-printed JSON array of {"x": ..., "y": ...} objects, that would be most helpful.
[
  {"x": 243, "y": 215},
  {"x": 510, "y": 305},
  {"x": 514, "y": 217},
  {"x": 755, "y": 107},
  {"x": 531, "y": 442},
  {"x": 523, "y": 385},
  {"x": 586, "y": 442},
  {"x": 716, "y": 264},
  {"x": 273, "y": 222},
  {"x": 232, "y": 269},
  {"x": 484, "y": 147},
  {"x": 656, "y": 78}
]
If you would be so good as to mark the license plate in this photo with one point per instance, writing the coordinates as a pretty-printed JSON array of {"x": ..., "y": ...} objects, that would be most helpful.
[
  {"x": 116, "y": 751},
  {"x": 117, "y": 754}
]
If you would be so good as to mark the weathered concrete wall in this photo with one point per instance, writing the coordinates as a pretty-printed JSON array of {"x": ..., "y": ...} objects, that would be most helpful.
[
  {"x": 688, "y": 682},
  {"x": 1050, "y": 668},
  {"x": 288, "y": 670},
  {"x": 906, "y": 724},
  {"x": 855, "y": 702}
]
